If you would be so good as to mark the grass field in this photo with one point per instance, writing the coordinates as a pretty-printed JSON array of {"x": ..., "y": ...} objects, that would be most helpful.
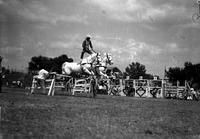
[{"x": 41, "y": 116}]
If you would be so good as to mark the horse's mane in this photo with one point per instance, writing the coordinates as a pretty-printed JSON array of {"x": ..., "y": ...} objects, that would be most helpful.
[{"x": 90, "y": 58}]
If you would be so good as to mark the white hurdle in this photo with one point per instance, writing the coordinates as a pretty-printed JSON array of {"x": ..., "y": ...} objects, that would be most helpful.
[
  {"x": 56, "y": 84},
  {"x": 53, "y": 83},
  {"x": 52, "y": 86},
  {"x": 82, "y": 86}
]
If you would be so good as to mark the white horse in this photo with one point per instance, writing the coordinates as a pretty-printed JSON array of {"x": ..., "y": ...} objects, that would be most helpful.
[
  {"x": 84, "y": 67},
  {"x": 102, "y": 65}
]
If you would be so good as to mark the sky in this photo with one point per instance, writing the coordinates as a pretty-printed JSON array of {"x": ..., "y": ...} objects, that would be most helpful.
[{"x": 156, "y": 33}]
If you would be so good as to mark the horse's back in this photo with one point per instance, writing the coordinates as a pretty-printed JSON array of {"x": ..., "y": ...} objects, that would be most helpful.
[{"x": 69, "y": 67}]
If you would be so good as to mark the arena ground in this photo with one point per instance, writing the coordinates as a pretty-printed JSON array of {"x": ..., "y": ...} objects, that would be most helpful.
[{"x": 64, "y": 116}]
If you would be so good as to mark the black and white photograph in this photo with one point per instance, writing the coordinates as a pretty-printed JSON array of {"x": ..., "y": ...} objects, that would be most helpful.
[{"x": 100, "y": 69}]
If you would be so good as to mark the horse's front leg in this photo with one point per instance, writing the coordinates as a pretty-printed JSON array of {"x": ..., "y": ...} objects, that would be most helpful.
[
  {"x": 87, "y": 71},
  {"x": 102, "y": 74}
]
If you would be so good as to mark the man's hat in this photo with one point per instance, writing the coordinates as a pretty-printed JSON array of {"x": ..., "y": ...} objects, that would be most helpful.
[{"x": 88, "y": 36}]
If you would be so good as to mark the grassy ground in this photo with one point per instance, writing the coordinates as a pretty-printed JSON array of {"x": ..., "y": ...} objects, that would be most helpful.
[{"x": 41, "y": 116}]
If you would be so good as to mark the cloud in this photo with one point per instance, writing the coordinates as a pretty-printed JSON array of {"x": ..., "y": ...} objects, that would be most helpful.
[
  {"x": 53, "y": 18},
  {"x": 137, "y": 48},
  {"x": 36, "y": 11},
  {"x": 14, "y": 57},
  {"x": 127, "y": 50},
  {"x": 12, "y": 54},
  {"x": 66, "y": 41},
  {"x": 148, "y": 31},
  {"x": 1, "y": 1},
  {"x": 11, "y": 50},
  {"x": 139, "y": 11},
  {"x": 117, "y": 9},
  {"x": 173, "y": 47},
  {"x": 63, "y": 44},
  {"x": 128, "y": 46}
]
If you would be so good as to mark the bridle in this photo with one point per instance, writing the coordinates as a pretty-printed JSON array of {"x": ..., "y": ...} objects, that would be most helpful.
[
  {"x": 97, "y": 59},
  {"x": 108, "y": 58}
]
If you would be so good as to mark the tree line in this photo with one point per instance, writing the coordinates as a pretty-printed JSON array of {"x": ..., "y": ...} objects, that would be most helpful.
[
  {"x": 49, "y": 64},
  {"x": 36, "y": 63},
  {"x": 190, "y": 72},
  {"x": 134, "y": 70}
]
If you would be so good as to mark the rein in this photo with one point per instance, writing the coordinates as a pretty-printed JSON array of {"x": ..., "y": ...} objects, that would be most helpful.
[{"x": 108, "y": 59}]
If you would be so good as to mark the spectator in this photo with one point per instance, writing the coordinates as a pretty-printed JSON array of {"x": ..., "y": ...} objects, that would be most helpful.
[{"x": 41, "y": 77}]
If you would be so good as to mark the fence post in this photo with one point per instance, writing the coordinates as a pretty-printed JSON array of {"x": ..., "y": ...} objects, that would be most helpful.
[
  {"x": 52, "y": 87},
  {"x": 177, "y": 84},
  {"x": 163, "y": 88},
  {"x": 33, "y": 85}
]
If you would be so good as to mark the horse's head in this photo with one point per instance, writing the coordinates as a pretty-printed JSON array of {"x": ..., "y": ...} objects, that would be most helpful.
[
  {"x": 98, "y": 58},
  {"x": 108, "y": 58},
  {"x": 102, "y": 64}
]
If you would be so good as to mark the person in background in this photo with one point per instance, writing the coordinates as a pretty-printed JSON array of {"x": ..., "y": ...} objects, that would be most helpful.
[
  {"x": 1, "y": 82},
  {"x": 194, "y": 94},
  {"x": 40, "y": 78},
  {"x": 87, "y": 44}
]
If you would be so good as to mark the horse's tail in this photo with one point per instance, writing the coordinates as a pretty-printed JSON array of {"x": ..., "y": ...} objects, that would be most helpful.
[{"x": 63, "y": 68}]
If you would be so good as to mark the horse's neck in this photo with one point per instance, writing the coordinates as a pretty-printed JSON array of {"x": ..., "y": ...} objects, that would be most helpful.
[
  {"x": 104, "y": 62},
  {"x": 90, "y": 59}
]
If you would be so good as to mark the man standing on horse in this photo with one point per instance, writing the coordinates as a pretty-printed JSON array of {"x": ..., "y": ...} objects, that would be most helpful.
[{"x": 87, "y": 44}]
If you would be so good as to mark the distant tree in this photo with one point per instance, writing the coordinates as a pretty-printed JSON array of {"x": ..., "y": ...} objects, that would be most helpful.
[
  {"x": 176, "y": 74},
  {"x": 135, "y": 70},
  {"x": 58, "y": 61},
  {"x": 5, "y": 71},
  {"x": 190, "y": 73},
  {"x": 39, "y": 62},
  {"x": 49, "y": 64}
]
